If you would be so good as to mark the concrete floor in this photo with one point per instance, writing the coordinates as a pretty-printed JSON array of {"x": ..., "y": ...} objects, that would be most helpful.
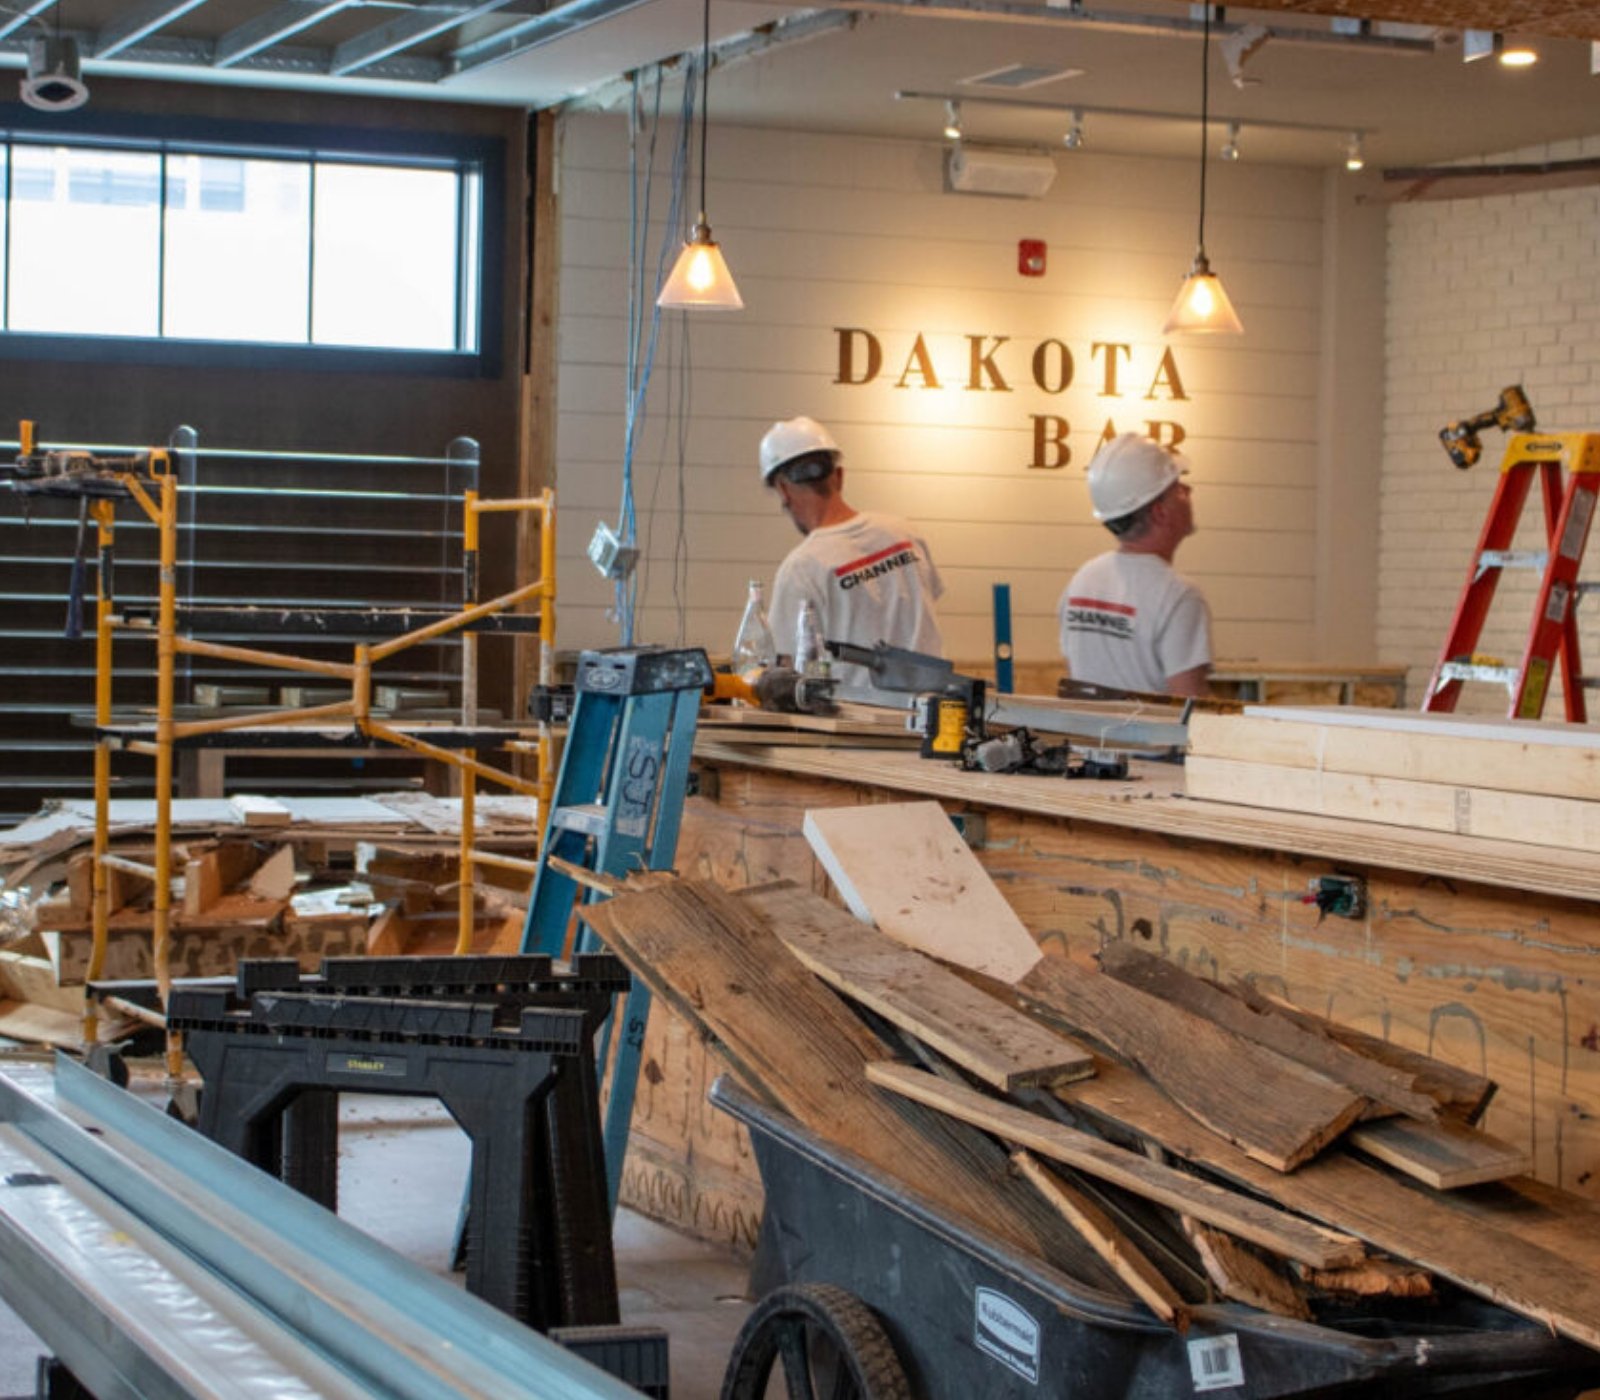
[{"x": 402, "y": 1166}]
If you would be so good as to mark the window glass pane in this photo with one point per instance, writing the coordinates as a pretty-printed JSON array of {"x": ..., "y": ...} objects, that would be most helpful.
[
  {"x": 385, "y": 267},
  {"x": 85, "y": 241},
  {"x": 238, "y": 248}
]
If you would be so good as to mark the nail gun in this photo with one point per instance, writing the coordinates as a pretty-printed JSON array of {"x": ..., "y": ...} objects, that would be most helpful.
[{"x": 1513, "y": 414}]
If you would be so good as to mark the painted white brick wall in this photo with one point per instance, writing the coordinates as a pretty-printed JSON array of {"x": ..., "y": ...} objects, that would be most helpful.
[{"x": 1482, "y": 293}]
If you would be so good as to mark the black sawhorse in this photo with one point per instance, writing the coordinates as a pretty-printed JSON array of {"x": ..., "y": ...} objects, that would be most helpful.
[{"x": 504, "y": 1043}]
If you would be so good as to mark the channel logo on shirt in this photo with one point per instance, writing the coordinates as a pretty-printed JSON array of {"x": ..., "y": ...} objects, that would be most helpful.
[
  {"x": 859, "y": 571},
  {"x": 1100, "y": 617}
]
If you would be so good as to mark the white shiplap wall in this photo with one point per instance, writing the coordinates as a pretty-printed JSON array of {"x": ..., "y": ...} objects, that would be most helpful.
[
  {"x": 1481, "y": 293},
  {"x": 825, "y": 232}
]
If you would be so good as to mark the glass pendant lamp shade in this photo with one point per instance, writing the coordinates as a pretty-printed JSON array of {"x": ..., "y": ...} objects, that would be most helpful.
[
  {"x": 700, "y": 278},
  {"x": 1202, "y": 303}
]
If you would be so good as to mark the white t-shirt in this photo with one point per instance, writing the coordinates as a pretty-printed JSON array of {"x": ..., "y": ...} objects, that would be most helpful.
[
  {"x": 1130, "y": 621},
  {"x": 870, "y": 580}
]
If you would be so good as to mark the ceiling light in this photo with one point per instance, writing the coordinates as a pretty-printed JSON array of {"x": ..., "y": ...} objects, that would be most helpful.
[
  {"x": 1231, "y": 150},
  {"x": 700, "y": 278},
  {"x": 1518, "y": 56},
  {"x": 1073, "y": 140},
  {"x": 1202, "y": 304},
  {"x": 1353, "y": 157},
  {"x": 952, "y": 121},
  {"x": 53, "y": 81}
]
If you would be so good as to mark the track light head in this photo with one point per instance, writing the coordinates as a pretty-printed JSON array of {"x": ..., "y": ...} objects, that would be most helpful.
[{"x": 53, "y": 81}]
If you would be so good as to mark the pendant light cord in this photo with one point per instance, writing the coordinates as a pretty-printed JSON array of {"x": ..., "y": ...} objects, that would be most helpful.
[
  {"x": 705, "y": 98},
  {"x": 1205, "y": 112}
]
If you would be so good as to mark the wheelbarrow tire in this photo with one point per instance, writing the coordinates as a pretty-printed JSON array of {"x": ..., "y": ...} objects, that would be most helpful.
[{"x": 777, "y": 1333}]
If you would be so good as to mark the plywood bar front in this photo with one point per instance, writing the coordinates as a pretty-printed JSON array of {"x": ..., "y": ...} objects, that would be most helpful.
[{"x": 1481, "y": 952}]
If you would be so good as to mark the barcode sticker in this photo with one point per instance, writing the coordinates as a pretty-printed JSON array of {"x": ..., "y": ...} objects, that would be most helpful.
[{"x": 1215, "y": 1363}]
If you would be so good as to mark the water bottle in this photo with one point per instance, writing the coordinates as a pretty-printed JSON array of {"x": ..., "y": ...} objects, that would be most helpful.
[
  {"x": 810, "y": 656},
  {"x": 753, "y": 647}
]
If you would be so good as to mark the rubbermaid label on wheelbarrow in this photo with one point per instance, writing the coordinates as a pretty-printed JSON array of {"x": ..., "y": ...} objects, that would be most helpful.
[
  {"x": 1215, "y": 1363},
  {"x": 1007, "y": 1333}
]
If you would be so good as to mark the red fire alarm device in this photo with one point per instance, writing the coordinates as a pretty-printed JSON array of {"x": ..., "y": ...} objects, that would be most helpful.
[{"x": 1030, "y": 257}]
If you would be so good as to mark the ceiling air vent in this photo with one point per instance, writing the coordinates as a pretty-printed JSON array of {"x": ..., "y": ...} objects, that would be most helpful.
[{"x": 1015, "y": 76}]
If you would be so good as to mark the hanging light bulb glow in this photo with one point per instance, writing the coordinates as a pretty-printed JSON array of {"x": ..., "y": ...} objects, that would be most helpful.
[
  {"x": 1230, "y": 151},
  {"x": 952, "y": 121},
  {"x": 1202, "y": 305},
  {"x": 1073, "y": 140},
  {"x": 1353, "y": 157},
  {"x": 700, "y": 278}
]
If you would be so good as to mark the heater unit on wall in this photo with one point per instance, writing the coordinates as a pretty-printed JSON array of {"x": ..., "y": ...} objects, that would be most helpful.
[{"x": 983, "y": 170}]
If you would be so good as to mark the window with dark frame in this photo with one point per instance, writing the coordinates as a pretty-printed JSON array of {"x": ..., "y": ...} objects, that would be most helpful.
[{"x": 112, "y": 246}]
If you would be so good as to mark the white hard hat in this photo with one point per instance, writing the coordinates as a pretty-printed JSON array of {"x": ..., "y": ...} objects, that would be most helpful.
[
  {"x": 1131, "y": 471},
  {"x": 794, "y": 437}
]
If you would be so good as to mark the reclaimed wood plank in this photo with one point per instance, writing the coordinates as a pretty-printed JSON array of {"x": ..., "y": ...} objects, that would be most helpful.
[
  {"x": 1276, "y": 1110},
  {"x": 1448, "y": 1234},
  {"x": 1459, "y": 1092},
  {"x": 1126, "y": 1259},
  {"x": 1171, "y": 983},
  {"x": 1216, "y": 1205},
  {"x": 1445, "y": 1156},
  {"x": 998, "y": 1044},
  {"x": 792, "y": 1041}
]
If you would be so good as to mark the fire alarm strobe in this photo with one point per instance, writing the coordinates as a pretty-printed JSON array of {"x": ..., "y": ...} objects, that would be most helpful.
[{"x": 1030, "y": 257}]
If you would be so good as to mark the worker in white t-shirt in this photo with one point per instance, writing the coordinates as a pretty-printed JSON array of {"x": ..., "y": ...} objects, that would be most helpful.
[
  {"x": 869, "y": 577},
  {"x": 1129, "y": 621}
]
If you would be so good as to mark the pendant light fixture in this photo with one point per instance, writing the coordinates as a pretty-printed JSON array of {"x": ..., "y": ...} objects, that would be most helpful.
[
  {"x": 700, "y": 279},
  {"x": 1202, "y": 304}
]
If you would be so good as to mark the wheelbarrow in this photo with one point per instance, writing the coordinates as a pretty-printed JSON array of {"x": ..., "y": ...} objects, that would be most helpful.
[{"x": 871, "y": 1292}]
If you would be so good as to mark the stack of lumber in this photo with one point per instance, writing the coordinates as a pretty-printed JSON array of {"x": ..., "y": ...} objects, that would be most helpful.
[
  {"x": 1186, "y": 1139},
  {"x": 252, "y": 877},
  {"x": 1515, "y": 780}
]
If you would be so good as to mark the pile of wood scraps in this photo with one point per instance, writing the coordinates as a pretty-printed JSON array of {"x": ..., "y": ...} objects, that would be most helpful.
[
  {"x": 1529, "y": 781},
  {"x": 1143, "y": 1129},
  {"x": 253, "y": 877}
]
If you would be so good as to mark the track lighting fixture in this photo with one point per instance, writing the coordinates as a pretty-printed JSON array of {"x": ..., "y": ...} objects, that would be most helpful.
[
  {"x": 1230, "y": 150},
  {"x": 1354, "y": 159},
  {"x": 1073, "y": 140},
  {"x": 952, "y": 121}
]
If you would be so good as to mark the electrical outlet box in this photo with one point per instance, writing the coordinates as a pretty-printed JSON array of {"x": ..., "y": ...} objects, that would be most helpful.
[{"x": 610, "y": 555}]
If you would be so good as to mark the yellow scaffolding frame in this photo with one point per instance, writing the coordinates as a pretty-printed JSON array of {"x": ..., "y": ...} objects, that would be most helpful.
[{"x": 161, "y": 509}]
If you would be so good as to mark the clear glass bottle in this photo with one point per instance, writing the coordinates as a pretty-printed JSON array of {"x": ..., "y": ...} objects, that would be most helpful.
[
  {"x": 753, "y": 647},
  {"x": 810, "y": 656}
]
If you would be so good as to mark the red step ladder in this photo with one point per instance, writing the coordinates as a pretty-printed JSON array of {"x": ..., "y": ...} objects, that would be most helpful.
[{"x": 1568, "y": 468}]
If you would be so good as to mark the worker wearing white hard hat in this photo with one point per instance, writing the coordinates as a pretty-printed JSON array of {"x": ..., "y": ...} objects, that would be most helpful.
[
  {"x": 869, "y": 577},
  {"x": 1129, "y": 620}
]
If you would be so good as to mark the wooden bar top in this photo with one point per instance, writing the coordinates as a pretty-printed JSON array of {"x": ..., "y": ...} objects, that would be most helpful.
[{"x": 1153, "y": 800}]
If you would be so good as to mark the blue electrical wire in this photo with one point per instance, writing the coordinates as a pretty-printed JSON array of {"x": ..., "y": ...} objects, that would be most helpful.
[{"x": 639, "y": 367}]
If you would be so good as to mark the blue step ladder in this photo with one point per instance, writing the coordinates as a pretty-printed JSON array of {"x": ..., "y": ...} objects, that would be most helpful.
[{"x": 618, "y": 801}]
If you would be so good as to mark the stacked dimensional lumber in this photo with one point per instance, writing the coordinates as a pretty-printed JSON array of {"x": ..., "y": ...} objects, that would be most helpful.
[{"x": 1529, "y": 781}]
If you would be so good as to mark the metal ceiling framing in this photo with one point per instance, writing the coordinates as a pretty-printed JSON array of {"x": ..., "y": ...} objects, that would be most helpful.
[{"x": 146, "y": 34}]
